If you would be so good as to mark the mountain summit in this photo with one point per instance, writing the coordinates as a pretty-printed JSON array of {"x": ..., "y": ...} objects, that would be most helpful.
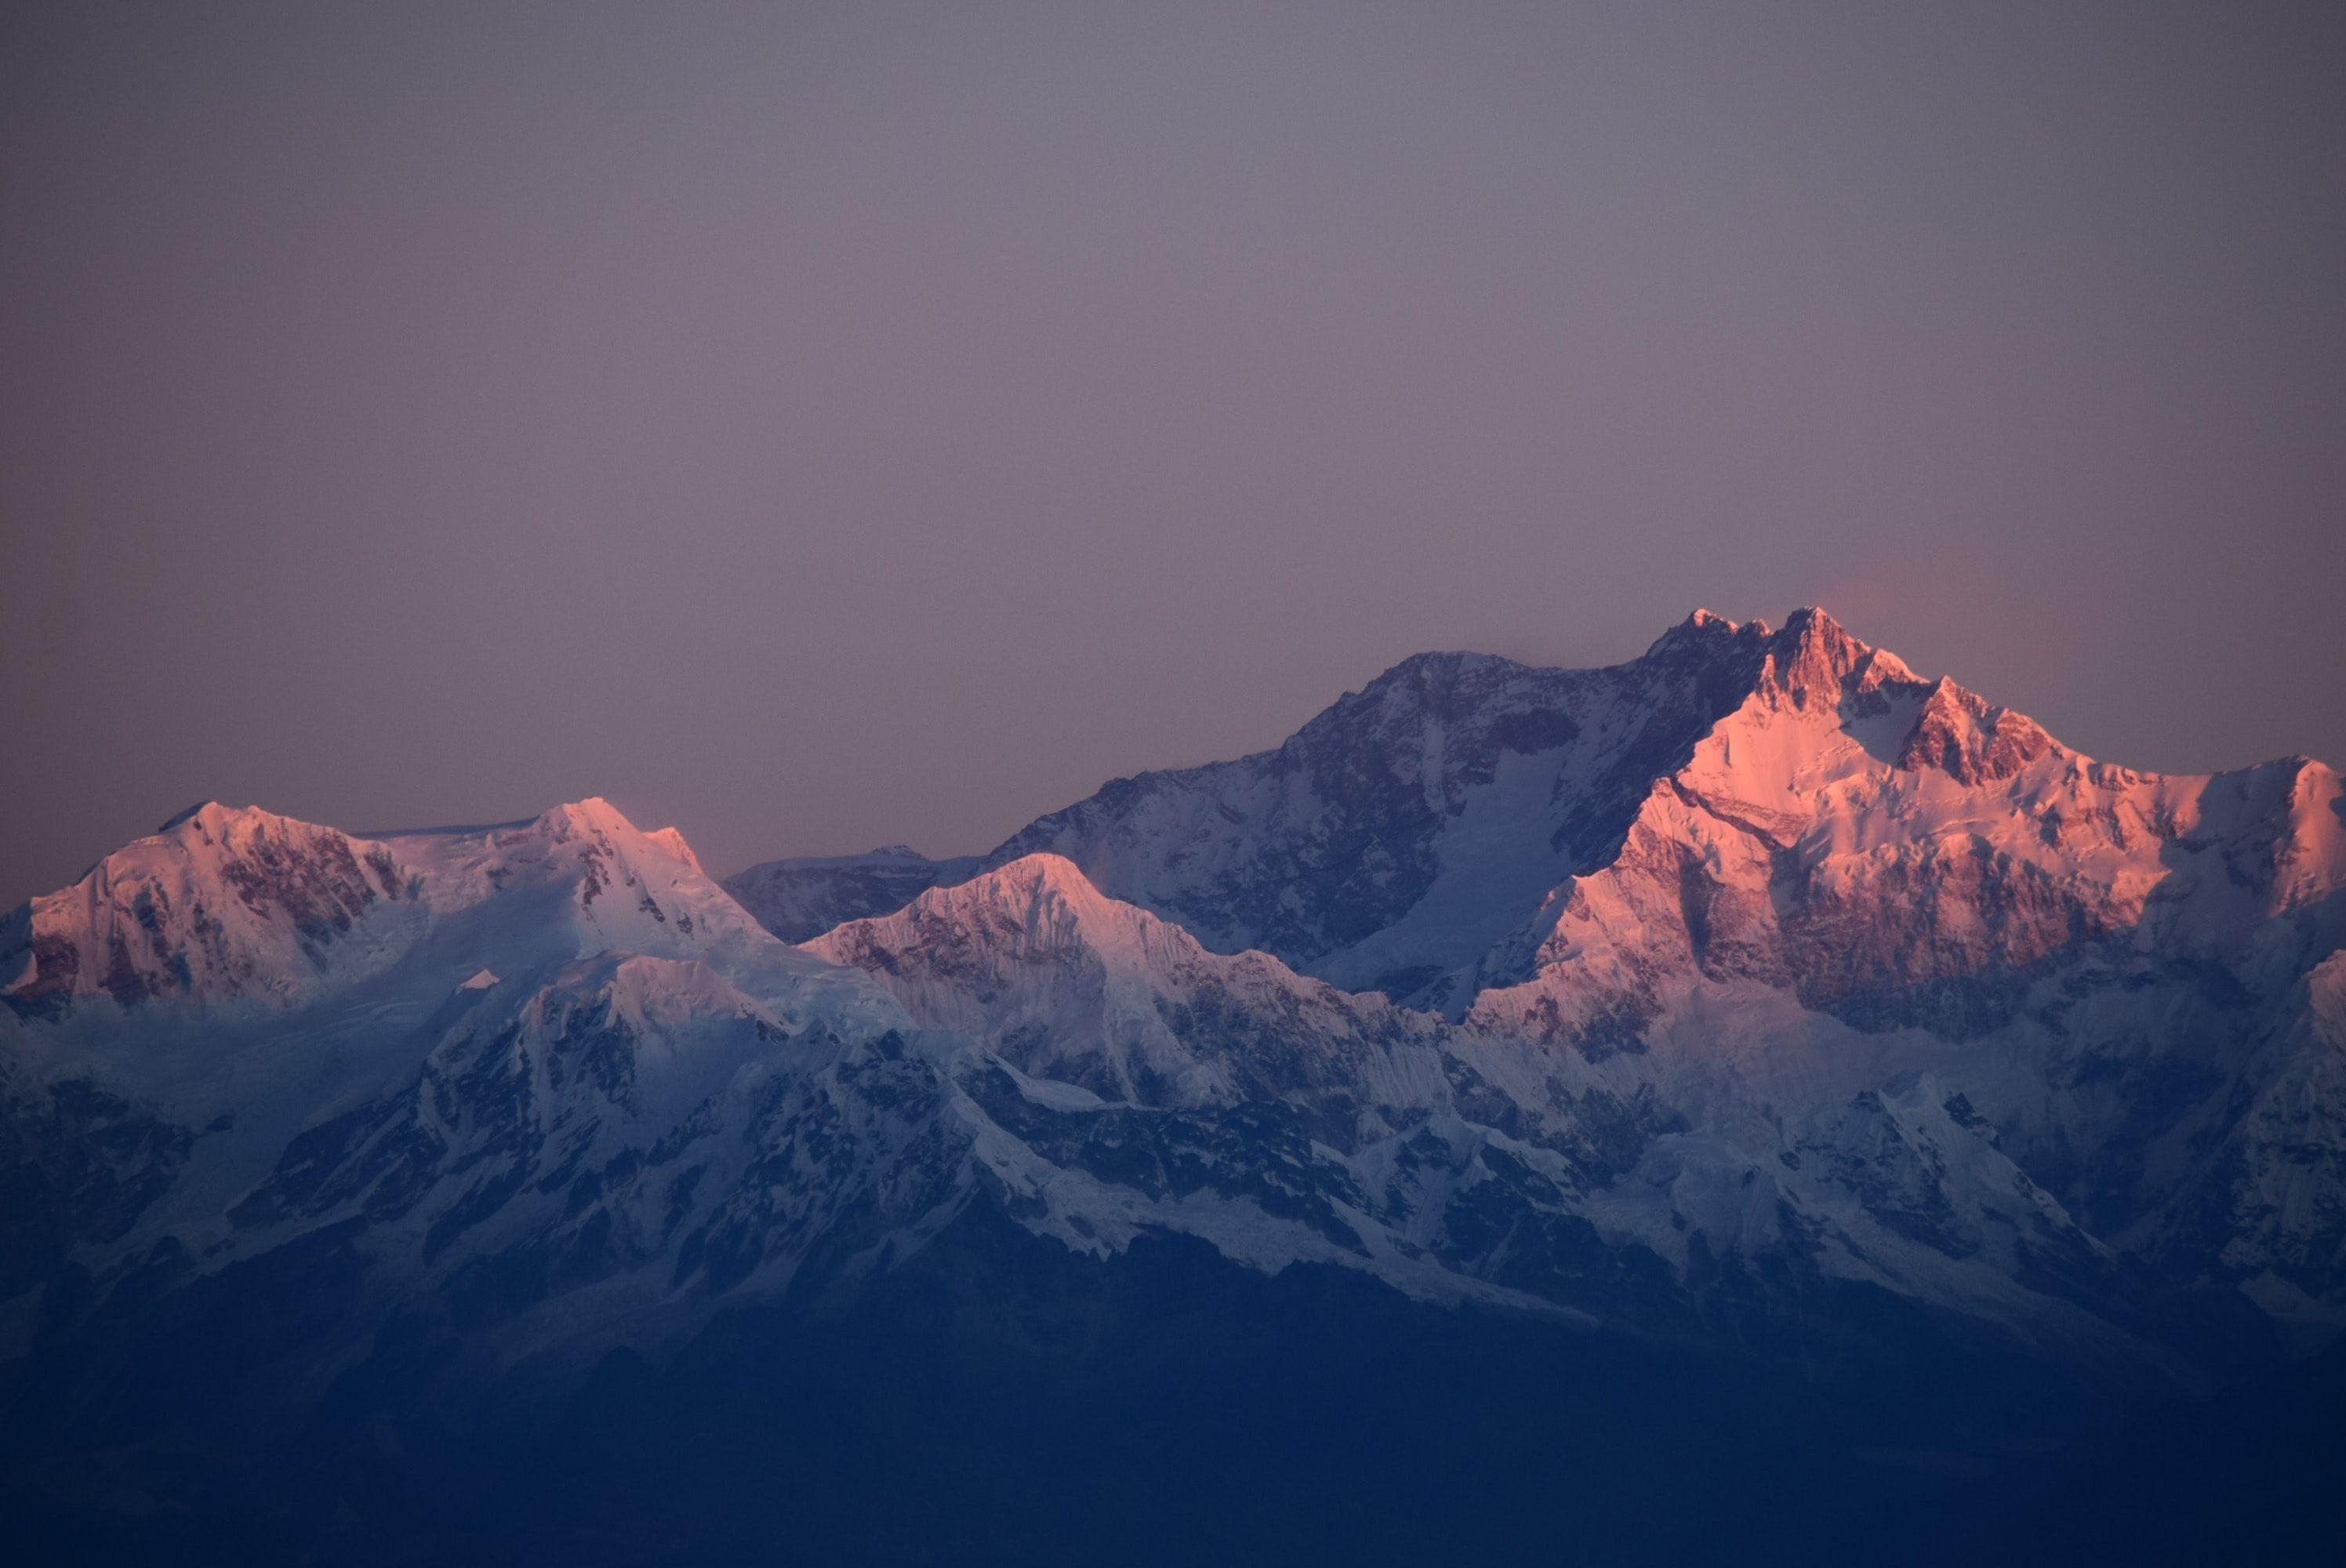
[{"x": 1422, "y": 836}]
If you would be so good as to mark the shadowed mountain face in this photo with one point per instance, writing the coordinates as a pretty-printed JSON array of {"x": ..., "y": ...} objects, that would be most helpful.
[
  {"x": 1757, "y": 1021},
  {"x": 1396, "y": 839}
]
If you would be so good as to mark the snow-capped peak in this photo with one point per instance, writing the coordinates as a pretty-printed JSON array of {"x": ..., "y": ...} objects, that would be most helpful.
[
  {"x": 1038, "y": 906},
  {"x": 594, "y": 814},
  {"x": 1705, "y": 628},
  {"x": 222, "y": 901},
  {"x": 229, "y": 904},
  {"x": 1034, "y": 960}
]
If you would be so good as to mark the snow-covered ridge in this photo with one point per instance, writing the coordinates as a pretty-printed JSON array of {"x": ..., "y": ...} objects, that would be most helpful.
[
  {"x": 1425, "y": 836},
  {"x": 805, "y": 896},
  {"x": 1391, "y": 842},
  {"x": 1437, "y": 1142},
  {"x": 227, "y": 905},
  {"x": 1033, "y": 961}
]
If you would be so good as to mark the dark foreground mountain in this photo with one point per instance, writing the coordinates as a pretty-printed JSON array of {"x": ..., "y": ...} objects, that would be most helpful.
[{"x": 1751, "y": 1101}]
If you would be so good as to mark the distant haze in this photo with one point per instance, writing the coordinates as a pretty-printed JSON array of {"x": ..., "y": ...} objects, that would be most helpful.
[{"x": 823, "y": 425}]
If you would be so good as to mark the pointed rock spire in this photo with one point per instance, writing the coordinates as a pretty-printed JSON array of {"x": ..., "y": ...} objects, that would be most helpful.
[
  {"x": 1961, "y": 736},
  {"x": 1811, "y": 656}
]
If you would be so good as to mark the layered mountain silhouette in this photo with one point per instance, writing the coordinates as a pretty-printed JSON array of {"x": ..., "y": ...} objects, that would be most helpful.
[{"x": 1757, "y": 1020}]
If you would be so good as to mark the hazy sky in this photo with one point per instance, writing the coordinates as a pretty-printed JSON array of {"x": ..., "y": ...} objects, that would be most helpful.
[{"x": 823, "y": 425}]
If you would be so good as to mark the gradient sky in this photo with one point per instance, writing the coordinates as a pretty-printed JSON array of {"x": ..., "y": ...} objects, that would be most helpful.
[{"x": 823, "y": 425}]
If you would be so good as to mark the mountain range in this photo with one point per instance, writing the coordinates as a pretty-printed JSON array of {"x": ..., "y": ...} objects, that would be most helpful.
[{"x": 1752, "y": 1063}]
